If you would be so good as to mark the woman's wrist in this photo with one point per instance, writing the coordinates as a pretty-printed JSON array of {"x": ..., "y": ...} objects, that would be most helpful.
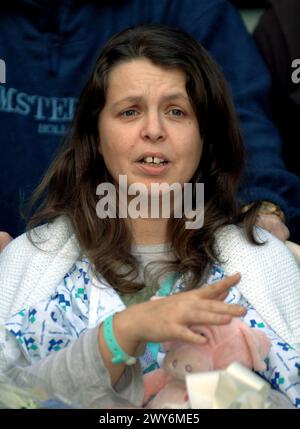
[
  {"x": 124, "y": 344},
  {"x": 127, "y": 342},
  {"x": 125, "y": 331}
]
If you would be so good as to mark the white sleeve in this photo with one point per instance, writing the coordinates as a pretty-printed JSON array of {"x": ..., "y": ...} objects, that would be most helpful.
[{"x": 74, "y": 374}]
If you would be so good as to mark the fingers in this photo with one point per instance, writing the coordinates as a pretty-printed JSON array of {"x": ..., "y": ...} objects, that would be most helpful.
[
  {"x": 217, "y": 307},
  {"x": 195, "y": 307},
  {"x": 204, "y": 317},
  {"x": 214, "y": 315},
  {"x": 209, "y": 318},
  {"x": 219, "y": 288},
  {"x": 222, "y": 297}
]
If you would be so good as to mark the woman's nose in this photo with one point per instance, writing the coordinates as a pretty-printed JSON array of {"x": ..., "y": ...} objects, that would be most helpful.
[{"x": 153, "y": 127}]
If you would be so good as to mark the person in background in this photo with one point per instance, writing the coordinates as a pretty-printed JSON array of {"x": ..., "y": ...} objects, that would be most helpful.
[
  {"x": 278, "y": 39},
  {"x": 49, "y": 47}
]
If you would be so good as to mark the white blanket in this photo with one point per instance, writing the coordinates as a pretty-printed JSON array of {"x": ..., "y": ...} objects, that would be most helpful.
[{"x": 270, "y": 275}]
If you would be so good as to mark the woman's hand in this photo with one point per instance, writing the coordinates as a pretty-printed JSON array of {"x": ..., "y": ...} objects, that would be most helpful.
[{"x": 171, "y": 318}]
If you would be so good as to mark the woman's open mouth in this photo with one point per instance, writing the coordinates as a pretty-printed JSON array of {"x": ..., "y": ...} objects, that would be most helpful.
[{"x": 153, "y": 165}]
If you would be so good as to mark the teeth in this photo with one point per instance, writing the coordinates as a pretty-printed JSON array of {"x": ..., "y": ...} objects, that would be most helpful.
[
  {"x": 148, "y": 159},
  {"x": 153, "y": 159},
  {"x": 157, "y": 160}
]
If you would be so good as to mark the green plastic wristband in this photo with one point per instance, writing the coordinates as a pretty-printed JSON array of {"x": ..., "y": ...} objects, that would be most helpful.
[{"x": 119, "y": 356}]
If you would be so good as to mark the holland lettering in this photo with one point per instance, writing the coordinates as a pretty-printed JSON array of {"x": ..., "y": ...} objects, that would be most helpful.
[{"x": 2, "y": 71}]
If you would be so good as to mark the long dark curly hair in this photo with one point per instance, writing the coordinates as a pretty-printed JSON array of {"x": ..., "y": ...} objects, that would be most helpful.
[{"x": 69, "y": 186}]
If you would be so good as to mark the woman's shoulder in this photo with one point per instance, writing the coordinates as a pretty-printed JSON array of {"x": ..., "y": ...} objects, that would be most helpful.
[
  {"x": 232, "y": 239},
  {"x": 29, "y": 272},
  {"x": 270, "y": 259},
  {"x": 47, "y": 237},
  {"x": 270, "y": 277}
]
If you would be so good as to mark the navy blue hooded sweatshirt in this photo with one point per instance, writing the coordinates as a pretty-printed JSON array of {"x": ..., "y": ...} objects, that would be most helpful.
[{"x": 49, "y": 48}]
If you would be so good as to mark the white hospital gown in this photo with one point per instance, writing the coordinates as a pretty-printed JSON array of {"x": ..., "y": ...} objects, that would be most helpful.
[{"x": 54, "y": 323}]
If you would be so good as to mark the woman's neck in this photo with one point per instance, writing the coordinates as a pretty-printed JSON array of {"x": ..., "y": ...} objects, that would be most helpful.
[{"x": 148, "y": 231}]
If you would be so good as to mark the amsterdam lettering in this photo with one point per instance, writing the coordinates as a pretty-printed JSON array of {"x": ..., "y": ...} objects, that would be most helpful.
[{"x": 52, "y": 113}]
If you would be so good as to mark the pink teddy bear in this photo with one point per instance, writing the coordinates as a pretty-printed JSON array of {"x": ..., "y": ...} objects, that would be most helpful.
[{"x": 235, "y": 342}]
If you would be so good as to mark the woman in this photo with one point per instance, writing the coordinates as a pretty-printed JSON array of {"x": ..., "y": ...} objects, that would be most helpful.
[{"x": 155, "y": 110}]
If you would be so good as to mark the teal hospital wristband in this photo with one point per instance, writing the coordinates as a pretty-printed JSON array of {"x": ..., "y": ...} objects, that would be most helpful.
[{"x": 119, "y": 356}]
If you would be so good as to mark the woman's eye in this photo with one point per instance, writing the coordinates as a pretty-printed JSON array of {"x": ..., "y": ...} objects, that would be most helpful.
[
  {"x": 129, "y": 113},
  {"x": 176, "y": 112}
]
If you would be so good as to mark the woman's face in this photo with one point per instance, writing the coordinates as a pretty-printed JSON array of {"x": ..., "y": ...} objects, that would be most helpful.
[{"x": 148, "y": 114}]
